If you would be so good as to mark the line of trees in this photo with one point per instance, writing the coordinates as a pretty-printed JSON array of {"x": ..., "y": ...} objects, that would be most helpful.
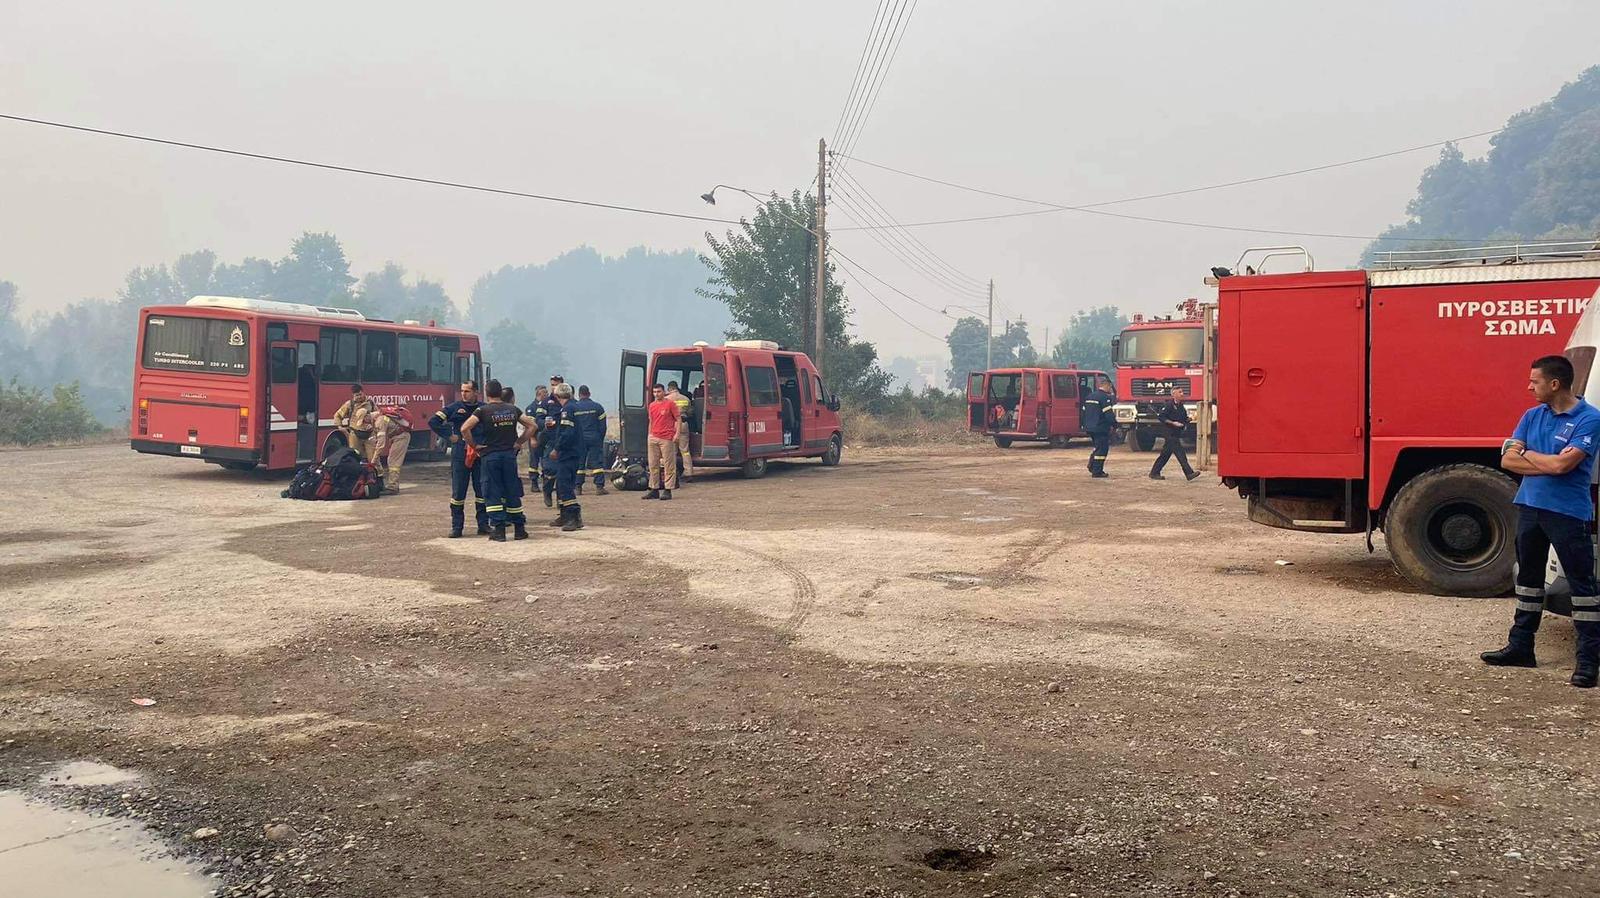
[{"x": 1084, "y": 342}]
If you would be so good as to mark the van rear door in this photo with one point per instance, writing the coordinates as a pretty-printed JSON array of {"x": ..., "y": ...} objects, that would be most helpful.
[
  {"x": 977, "y": 419},
  {"x": 632, "y": 419}
]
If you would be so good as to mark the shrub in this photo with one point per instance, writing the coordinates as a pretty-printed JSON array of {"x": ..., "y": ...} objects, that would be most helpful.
[
  {"x": 28, "y": 417},
  {"x": 907, "y": 419}
]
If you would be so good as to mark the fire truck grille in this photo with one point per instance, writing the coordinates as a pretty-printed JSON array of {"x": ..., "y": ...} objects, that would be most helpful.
[{"x": 1150, "y": 386}]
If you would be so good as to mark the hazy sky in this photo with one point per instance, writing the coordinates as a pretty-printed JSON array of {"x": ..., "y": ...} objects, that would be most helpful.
[{"x": 651, "y": 103}]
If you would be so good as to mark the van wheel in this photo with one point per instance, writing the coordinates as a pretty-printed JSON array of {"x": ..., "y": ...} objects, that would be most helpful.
[
  {"x": 1003, "y": 442},
  {"x": 835, "y": 450},
  {"x": 755, "y": 467},
  {"x": 1452, "y": 531}
]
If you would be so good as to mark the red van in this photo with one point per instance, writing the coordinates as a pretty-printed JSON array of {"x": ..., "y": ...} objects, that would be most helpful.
[
  {"x": 1029, "y": 404},
  {"x": 752, "y": 401}
]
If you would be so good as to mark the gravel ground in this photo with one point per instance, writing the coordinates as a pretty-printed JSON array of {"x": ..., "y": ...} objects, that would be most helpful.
[{"x": 963, "y": 672}]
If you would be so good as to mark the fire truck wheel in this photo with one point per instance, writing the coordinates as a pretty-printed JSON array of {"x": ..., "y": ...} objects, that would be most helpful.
[
  {"x": 1003, "y": 442},
  {"x": 1141, "y": 439},
  {"x": 754, "y": 468},
  {"x": 1452, "y": 530},
  {"x": 835, "y": 451}
]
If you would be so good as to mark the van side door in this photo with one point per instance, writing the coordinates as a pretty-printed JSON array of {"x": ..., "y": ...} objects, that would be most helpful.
[
  {"x": 1064, "y": 404},
  {"x": 719, "y": 423},
  {"x": 632, "y": 418},
  {"x": 763, "y": 405},
  {"x": 977, "y": 411}
]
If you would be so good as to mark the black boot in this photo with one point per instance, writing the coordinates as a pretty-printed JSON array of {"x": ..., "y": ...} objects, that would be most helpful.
[
  {"x": 600, "y": 488},
  {"x": 574, "y": 519},
  {"x": 455, "y": 532},
  {"x": 1154, "y": 476},
  {"x": 498, "y": 535},
  {"x": 521, "y": 531},
  {"x": 1192, "y": 476},
  {"x": 1513, "y": 655},
  {"x": 1584, "y": 675},
  {"x": 665, "y": 495},
  {"x": 653, "y": 494},
  {"x": 561, "y": 518}
]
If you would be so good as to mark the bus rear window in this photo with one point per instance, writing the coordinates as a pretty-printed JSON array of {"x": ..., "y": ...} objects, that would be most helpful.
[{"x": 204, "y": 345}]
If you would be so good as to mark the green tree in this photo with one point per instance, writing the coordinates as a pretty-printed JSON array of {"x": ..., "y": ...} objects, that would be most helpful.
[
  {"x": 315, "y": 271},
  {"x": 1540, "y": 180},
  {"x": 762, "y": 271},
  {"x": 385, "y": 294},
  {"x": 967, "y": 341},
  {"x": 15, "y": 358},
  {"x": 28, "y": 417},
  {"x": 251, "y": 279},
  {"x": 1086, "y": 341}
]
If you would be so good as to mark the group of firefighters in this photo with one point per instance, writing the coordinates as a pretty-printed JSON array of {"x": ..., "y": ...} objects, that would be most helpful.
[{"x": 1098, "y": 420}]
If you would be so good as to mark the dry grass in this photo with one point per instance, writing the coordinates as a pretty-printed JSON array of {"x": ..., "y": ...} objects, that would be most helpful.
[{"x": 864, "y": 429}]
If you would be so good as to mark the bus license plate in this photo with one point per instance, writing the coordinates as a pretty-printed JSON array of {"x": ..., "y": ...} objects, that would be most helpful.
[{"x": 189, "y": 450}]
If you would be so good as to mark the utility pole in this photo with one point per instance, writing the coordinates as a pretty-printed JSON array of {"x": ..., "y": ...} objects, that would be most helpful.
[
  {"x": 988, "y": 358},
  {"x": 821, "y": 279}
]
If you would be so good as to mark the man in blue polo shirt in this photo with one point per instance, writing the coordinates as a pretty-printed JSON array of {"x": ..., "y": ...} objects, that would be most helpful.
[{"x": 1553, "y": 449}]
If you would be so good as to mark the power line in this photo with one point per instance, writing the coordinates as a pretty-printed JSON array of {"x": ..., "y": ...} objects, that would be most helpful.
[
  {"x": 327, "y": 166},
  {"x": 861, "y": 65},
  {"x": 900, "y": 250},
  {"x": 863, "y": 285},
  {"x": 877, "y": 40},
  {"x": 1098, "y": 208},
  {"x": 873, "y": 90},
  {"x": 858, "y": 188}
]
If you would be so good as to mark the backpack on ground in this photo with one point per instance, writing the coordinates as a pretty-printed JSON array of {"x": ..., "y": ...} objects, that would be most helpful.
[{"x": 342, "y": 475}]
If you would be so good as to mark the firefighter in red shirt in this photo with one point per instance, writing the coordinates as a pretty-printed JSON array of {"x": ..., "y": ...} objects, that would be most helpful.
[{"x": 661, "y": 453}]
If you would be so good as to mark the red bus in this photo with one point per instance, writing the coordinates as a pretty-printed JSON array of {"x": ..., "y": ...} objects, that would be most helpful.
[{"x": 249, "y": 382}]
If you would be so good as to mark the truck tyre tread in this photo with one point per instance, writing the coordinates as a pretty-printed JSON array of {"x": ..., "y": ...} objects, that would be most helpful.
[
  {"x": 1003, "y": 442},
  {"x": 1407, "y": 521}
]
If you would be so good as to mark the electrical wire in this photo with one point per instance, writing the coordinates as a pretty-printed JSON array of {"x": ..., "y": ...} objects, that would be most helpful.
[
  {"x": 857, "y": 188},
  {"x": 877, "y": 40},
  {"x": 890, "y": 309},
  {"x": 327, "y": 166},
  {"x": 888, "y": 240},
  {"x": 873, "y": 91},
  {"x": 861, "y": 65},
  {"x": 1098, "y": 208}
]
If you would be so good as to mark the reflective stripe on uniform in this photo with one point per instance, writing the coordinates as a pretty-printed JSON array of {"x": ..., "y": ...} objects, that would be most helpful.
[
  {"x": 496, "y": 508},
  {"x": 459, "y": 503},
  {"x": 567, "y": 423},
  {"x": 1586, "y": 617},
  {"x": 566, "y": 502},
  {"x": 479, "y": 501},
  {"x": 513, "y": 509},
  {"x": 1097, "y": 458},
  {"x": 1586, "y": 601},
  {"x": 1534, "y": 591},
  {"x": 440, "y": 415},
  {"x": 1530, "y": 606}
]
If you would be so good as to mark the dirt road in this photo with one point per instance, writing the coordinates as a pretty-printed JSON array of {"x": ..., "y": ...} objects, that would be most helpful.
[{"x": 975, "y": 672}]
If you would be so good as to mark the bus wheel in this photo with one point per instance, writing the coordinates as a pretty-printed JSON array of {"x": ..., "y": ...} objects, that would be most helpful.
[
  {"x": 1452, "y": 530},
  {"x": 238, "y": 465},
  {"x": 1003, "y": 442},
  {"x": 835, "y": 450},
  {"x": 754, "y": 468}
]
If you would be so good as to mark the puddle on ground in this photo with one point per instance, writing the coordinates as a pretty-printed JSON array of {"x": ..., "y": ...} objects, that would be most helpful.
[
  {"x": 87, "y": 773},
  {"x": 48, "y": 851}
]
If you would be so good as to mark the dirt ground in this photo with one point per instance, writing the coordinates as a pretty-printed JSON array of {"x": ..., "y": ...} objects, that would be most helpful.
[{"x": 959, "y": 672}]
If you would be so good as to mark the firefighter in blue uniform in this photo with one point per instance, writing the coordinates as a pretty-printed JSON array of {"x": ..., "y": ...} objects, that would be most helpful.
[
  {"x": 447, "y": 424},
  {"x": 566, "y": 454},
  {"x": 1097, "y": 420},
  {"x": 1553, "y": 449},
  {"x": 591, "y": 419},
  {"x": 497, "y": 420},
  {"x": 547, "y": 424},
  {"x": 536, "y": 411}
]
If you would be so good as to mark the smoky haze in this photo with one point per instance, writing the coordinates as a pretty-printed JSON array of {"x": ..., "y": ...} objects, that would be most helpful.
[{"x": 651, "y": 104}]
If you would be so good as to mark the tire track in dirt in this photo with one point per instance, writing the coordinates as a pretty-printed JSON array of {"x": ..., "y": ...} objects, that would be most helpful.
[{"x": 805, "y": 592}]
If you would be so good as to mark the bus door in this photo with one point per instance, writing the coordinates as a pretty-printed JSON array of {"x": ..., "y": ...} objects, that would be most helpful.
[
  {"x": 1064, "y": 404},
  {"x": 718, "y": 424},
  {"x": 632, "y": 400},
  {"x": 977, "y": 413},
  {"x": 1026, "y": 416}
]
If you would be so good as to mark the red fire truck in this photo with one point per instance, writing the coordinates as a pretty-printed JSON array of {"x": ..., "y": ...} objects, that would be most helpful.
[
  {"x": 1029, "y": 404},
  {"x": 751, "y": 401},
  {"x": 1350, "y": 401},
  {"x": 1153, "y": 356},
  {"x": 248, "y": 382}
]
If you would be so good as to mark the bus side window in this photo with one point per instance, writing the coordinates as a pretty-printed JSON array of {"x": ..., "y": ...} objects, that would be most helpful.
[
  {"x": 283, "y": 367},
  {"x": 339, "y": 355}
]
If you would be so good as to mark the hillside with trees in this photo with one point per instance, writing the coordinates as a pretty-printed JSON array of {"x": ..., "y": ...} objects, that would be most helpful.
[{"x": 1540, "y": 180}]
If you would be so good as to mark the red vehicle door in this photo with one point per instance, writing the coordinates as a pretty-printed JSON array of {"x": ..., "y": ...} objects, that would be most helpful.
[
  {"x": 718, "y": 422},
  {"x": 976, "y": 409},
  {"x": 293, "y": 413},
  {"x": 763, "y": 404},
  {"x": 1026, "y": 419},
  {"x": 1063, "y": 404}
]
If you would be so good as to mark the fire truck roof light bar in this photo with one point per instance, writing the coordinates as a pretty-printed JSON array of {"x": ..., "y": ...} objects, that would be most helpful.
[
  {"x": 1484, "y": 255},
  {"x": 1271, "y": 251}
]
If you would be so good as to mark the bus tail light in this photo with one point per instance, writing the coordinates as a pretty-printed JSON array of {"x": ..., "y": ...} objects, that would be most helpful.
[
  {"x": 144, "y": 417},
  {"x": 244, "y": 427}
]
